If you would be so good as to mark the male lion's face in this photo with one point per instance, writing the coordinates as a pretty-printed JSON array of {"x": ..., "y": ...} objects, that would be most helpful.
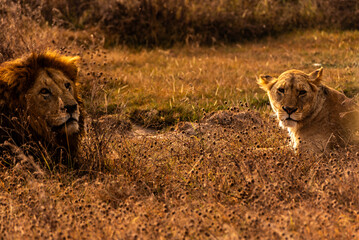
[
  {"x": 51, "y": 103},
  {"x": 292, "y": 95}
]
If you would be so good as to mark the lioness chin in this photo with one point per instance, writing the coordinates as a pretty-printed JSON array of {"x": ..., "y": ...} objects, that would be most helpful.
[{"x": 316, "y": 116}]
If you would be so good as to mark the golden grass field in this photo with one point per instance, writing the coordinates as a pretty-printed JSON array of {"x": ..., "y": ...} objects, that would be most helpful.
[
  {"x": 180, "y": 141},
  {"x": 181, "y": 144}
]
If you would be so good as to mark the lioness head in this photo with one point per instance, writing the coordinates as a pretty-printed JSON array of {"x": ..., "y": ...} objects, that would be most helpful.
[
  {"x": 43, "y": 88},
  {"x": 292, "y": 95}
]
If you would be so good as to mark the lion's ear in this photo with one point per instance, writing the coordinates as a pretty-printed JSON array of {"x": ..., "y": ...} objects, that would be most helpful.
[
  {"x": 67, "y": 64},
  {"x": 266, "y": 82},
  {"x": 316, "y": 76},
  {"x": 74, "y": 60}
]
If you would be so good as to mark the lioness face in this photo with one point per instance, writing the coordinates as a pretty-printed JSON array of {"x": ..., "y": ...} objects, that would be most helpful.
[
  {"x": 292, "y": 95},
  {"x": 51, "y": 103}
]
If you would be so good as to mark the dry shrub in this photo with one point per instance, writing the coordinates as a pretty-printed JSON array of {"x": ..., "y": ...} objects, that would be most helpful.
[
  {"x": 73, "y": 14},
  {"x": 99, "y": 142},
  {"x": 160, "y": 22},
  {"x": 342, "y": 14},
  {"x": 21, "y": 31}
]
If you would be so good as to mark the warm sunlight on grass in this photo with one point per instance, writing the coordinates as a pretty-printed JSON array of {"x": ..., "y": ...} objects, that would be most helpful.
[
  {"x": 180, "y": 83},
  {"x": 180, "y": 141}
]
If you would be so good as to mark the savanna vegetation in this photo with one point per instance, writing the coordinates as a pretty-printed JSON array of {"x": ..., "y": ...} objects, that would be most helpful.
[{"x": 180, "y": 141}]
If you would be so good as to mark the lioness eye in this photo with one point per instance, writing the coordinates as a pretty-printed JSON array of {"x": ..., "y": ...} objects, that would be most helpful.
[
  {"x": 302, "y": 92},
  {"x": 67, "y": 85},
  {"x": 281, "y": 90},
  {"x": 45, "y": 91}
]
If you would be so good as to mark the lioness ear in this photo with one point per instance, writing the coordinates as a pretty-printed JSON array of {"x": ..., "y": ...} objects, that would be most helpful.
[
  {"x": 266, "y": 82},
  {"x": 316, "y": 76}
]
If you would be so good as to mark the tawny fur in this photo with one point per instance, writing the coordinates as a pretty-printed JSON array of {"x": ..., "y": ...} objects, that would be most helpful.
[
  {"x": 19, "y": 80},
  {"x": 317, "y": 117}
]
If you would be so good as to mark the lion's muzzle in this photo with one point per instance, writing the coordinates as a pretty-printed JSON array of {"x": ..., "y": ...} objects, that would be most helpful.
[
  {"x": 69, "y": 127},
  {"x": 71, "y": 108}
]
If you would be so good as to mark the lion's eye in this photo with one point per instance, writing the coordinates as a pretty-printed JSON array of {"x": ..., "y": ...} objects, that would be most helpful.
[
  {"x": 68, "y": 85},
  {"x": 45, "y": 91},
  {"x": 302, "y": 92},
  {"x": 281, "y": 90}
]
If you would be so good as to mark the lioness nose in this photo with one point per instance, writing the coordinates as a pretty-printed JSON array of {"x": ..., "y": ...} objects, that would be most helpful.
[
  {"x": 289, "y": 110},
  {"x": 71, "y": 108}
]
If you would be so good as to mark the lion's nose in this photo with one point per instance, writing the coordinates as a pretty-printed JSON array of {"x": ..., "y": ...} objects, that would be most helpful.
[
  {"x": 71, "y": 108},
  {"x": 289, "y": 110}
]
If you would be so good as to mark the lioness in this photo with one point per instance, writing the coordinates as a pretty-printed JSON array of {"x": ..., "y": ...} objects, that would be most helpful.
[
  {"x": 317, "y": 117},
  {"x": 39, "y": 101}
]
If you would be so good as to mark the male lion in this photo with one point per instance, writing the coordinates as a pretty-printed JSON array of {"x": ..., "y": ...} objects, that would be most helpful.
[
  {"x": 39, "y": 101},
  {"x": 316, "y": 116}
]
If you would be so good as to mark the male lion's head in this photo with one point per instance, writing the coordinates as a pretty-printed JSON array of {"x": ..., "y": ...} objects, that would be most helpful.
[
  {"x": 293, "y": 95},
  {"x": 43, "y": 87}
]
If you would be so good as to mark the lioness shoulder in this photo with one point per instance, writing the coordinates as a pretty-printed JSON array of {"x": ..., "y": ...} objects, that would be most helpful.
[{"x": 317, "y": 117}]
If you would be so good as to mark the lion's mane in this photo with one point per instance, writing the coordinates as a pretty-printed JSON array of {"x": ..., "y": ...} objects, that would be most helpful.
[{"x": 16, "y": 78}]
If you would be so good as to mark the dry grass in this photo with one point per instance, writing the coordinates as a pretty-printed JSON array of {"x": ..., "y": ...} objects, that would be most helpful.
[
  {"x": 214, "y": 164},
  {"x": 161, "y": 87},
  {"x": 222, "y": 182}
]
